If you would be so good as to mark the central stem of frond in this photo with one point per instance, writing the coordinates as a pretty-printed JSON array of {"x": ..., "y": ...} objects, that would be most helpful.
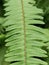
[{"x": 24, "y": 28}]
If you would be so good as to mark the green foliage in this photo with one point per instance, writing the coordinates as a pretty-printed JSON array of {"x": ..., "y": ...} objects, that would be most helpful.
[
  {"x": 25, "y": 41},
  {"x": 2, "y": 53},
  {"x": 44, "y": 4},
  {"x": 2, "y": 30},
  {"x": 2, "y": 35}
]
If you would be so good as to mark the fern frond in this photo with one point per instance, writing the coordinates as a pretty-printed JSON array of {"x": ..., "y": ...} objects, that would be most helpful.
[{"x": 24, "y": 40}]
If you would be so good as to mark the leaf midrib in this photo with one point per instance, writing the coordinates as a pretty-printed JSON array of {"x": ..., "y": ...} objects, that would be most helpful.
[{"x": 24, "y": 28}]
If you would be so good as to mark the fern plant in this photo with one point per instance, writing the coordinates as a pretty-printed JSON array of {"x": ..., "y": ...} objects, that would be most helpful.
[{"x": 25, "y": 41}]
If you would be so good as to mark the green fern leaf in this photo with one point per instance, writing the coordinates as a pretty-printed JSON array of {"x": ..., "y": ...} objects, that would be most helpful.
[{"x": 24, "y": 41}]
